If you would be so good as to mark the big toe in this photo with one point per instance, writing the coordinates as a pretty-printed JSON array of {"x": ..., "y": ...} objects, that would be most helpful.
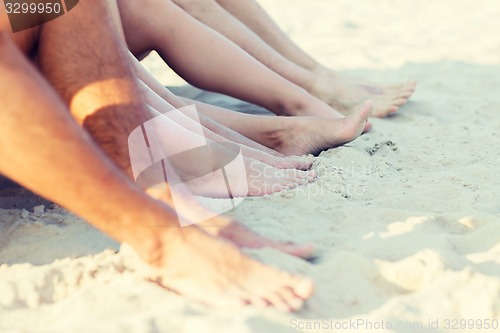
[
  {"x": 363, "y": 112},
  {"x": 384, "y": 108}
]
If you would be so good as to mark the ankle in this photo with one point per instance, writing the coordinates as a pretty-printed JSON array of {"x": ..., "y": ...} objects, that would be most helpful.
[
  {"x": 298, "y": 105},
  {"x": 162, "y": 241},
  {"x": 283, "y": 135},
  {"x": 153, "y": 232}
]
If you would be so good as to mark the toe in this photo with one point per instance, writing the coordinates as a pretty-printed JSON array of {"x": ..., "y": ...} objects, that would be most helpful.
[
  {"x": 399, "y": 101},
  {"x": 290, "y": 185},
  {"x": 294, "y": 303},
  {"x": 258, "y": 302},
  {"x": 304, "y": 288},
  {"x": 404, "y": 94},
  {"x": 303, "y": 175},
  {"x": 381, "y": 112},
  {"x": 392, "y": 109},
  {"x": 275, "y": 300},
  {"x": 301, "y": 181},
  {"x": 411, "y": 86}
]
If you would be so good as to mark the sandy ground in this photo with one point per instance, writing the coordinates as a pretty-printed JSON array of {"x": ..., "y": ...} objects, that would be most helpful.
[{"x": 406, "y": 218}]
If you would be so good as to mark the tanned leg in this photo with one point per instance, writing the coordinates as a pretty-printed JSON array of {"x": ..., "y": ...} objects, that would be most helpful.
[{"x": 78, "y": 176}]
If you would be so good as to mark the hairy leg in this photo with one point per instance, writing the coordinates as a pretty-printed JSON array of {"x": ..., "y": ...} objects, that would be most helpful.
[
  {"x": 50, "y": 140},
  {"x": 206, "y": 265},
  {"x": 106, "y": 99}
]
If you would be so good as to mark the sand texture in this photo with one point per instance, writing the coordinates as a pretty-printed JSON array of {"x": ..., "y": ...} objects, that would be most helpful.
[{"x": 406, "y": 218}]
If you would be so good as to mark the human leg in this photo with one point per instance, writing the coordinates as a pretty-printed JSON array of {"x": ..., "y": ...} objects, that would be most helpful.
[
  {"x": 78, "y": 176},
  {"x": 163, "y": 100},
  {"x": 109, "y": 108},
  {"x": 194, "y": 125},
  {"x": 262, "y": 128},
  {"x": 210, "y": 61},
  {"x": 294, "y": 135},
  {"x": 342, "y": 92}
]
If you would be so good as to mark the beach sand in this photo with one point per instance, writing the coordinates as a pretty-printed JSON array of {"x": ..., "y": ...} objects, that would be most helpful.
[{"x": 406, "y": 218}]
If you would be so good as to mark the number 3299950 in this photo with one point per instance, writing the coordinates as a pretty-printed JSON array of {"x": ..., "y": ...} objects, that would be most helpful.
[{"x": 33, "y": 8}]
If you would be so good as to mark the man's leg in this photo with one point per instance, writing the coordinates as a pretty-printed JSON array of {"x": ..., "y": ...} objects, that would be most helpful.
[
  {"x": 76, "y": 175},
  {"x": 43, "y": 149},
  {"x": 108, "y": 93},
  {"x": 111, "y": 110}
]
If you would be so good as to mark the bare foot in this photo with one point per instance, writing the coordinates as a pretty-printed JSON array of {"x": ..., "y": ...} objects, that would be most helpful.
[
  {"x": 216, "y": 171},
  {"x": 287, "y": 162},
  {"x": 222, "y": 226},
  {"x": 214, "y": 272},
  {"x": 347, "y": 94},
  {"x": 264, "y": 179},
  {"x": 280, "y": 162},
  {"x": 311, "y": 135},
  {"x": 227, "y": 228},
  {"x": 219, "y": 170},
  {"x": 315, "y": 108},
  {"x": 261, "y": 179}
]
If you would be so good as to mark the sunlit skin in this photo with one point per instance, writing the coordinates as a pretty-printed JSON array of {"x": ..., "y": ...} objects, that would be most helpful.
[
  {"x": 81, "y": 169},
  {"x": 247, "y": 44}
]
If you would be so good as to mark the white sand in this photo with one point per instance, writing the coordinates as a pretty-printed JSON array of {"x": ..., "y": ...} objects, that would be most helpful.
[{"x": 406, "y": 218}]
